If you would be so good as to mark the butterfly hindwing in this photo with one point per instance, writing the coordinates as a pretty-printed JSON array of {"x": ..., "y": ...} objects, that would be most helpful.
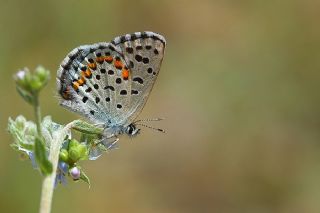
[{"x": 87, "y": 81}]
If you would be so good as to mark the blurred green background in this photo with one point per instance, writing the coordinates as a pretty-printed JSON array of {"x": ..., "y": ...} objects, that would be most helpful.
[{"x": 239, "y": 88}]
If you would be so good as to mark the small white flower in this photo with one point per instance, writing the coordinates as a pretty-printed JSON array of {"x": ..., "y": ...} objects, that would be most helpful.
[{"x": 21, "y": 74}]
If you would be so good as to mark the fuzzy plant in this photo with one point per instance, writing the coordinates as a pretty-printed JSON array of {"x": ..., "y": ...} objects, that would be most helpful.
[{"x": 51, "y": 147}]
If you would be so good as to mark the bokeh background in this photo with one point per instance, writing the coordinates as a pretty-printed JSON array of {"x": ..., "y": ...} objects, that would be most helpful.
[{"x": 239, "y": 88}]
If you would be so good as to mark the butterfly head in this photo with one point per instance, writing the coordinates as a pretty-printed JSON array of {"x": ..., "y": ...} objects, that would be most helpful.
[{"x": 132, "y": 130}]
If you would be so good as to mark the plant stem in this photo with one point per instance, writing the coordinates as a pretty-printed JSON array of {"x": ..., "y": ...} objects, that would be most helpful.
[
  {"x": 37, "y": 113},
  {"x": 48, "y": 182}
]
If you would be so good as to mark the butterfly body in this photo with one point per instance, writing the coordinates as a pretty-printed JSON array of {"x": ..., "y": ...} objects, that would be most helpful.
[{"x": 109, "y": 83}]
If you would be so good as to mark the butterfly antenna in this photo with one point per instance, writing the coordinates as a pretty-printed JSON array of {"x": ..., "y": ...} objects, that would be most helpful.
[
  {"x": 149, "y": 119},
  {"x": 150, "y": 127}
]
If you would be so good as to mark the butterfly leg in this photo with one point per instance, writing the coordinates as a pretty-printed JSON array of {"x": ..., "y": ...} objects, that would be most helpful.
[
  {"x": 110, "y": 142},
  {"x": 104, "y": 145}
]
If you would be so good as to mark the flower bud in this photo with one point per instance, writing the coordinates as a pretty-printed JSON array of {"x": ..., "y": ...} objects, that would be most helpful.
[
  {"x": 31, "y": 82},
  {"x": 83, "y": 151},
  {"x": 75, "y": 173},
  {"x": 35, "y": 83},
  {"x": 20, "y": 75},
  {"x": 73, "y": 143},
  {"x": 74, "y": 155},
  {"x": 76, "y": 151},
  {"x": 42, "y": 74},
  {"x": 64, "y": 155}
]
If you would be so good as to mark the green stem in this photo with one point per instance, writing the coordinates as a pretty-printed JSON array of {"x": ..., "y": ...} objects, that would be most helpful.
[
  {"x": 37, "y": 113},
  {"x": 48, "y": 182}
]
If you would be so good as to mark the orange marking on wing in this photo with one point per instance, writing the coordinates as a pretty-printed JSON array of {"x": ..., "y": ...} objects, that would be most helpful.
[
  {"x": 100, "y": 59},
  {"x": 75, "y": 85},
  {"x": 118, "y": 64},
  {"x": 83, "y": 74},
  {"x": 81, "y": 81},
  {"x": 92, "y": 66},
  {"x": 108, "y": 59},
  {"x": 125, "y": 74},
  {"x": 86, "y": 73},
  {"x": 66, "y": 93}
]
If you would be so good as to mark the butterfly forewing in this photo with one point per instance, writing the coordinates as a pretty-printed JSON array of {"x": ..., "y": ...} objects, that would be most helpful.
[{"x": 143, "y": 53}]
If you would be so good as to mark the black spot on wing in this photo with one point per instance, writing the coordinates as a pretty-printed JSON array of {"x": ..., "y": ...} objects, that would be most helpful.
[
  {"x": 129, "y": 50},
  {"x": 138, "y": 79},
  {"x": 84, "y": 99},
  {"x": 109, "y": 87},
  {"x": 138, "y": 58},
  {"x": 145, "y": 60},
  {"x": 123, "y": 92}
]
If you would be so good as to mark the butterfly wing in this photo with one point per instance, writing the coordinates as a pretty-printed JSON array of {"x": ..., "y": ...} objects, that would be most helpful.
[
  {"x": 143, "y": 53},
  {"x": 109, "y": 83},
  {"x": 87, "y": 81}
]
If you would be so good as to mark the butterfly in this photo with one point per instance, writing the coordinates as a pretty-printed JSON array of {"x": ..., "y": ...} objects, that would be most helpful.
[{"x": 109, "y": 83}]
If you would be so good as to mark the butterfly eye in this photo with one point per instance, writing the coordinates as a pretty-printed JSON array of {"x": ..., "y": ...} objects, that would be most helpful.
[{"x": 130, "y": 129}]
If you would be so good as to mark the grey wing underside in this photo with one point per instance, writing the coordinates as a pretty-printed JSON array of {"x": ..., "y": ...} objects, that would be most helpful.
[
  {"x": 94, "y": 98},
  {"x": 102, "y": 98},
  {"x": 143, "y": 52}
]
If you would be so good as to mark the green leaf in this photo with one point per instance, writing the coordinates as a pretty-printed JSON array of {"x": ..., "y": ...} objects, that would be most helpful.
[
  {"x": 87, "y": 128},
  {"x": 84, "y": 177},
  {"x": 41, "y": 157},
  {"x": 49, "y": 128},
  {"x": 23, "y": 133},
  {"x": 27, "y": 96}
]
